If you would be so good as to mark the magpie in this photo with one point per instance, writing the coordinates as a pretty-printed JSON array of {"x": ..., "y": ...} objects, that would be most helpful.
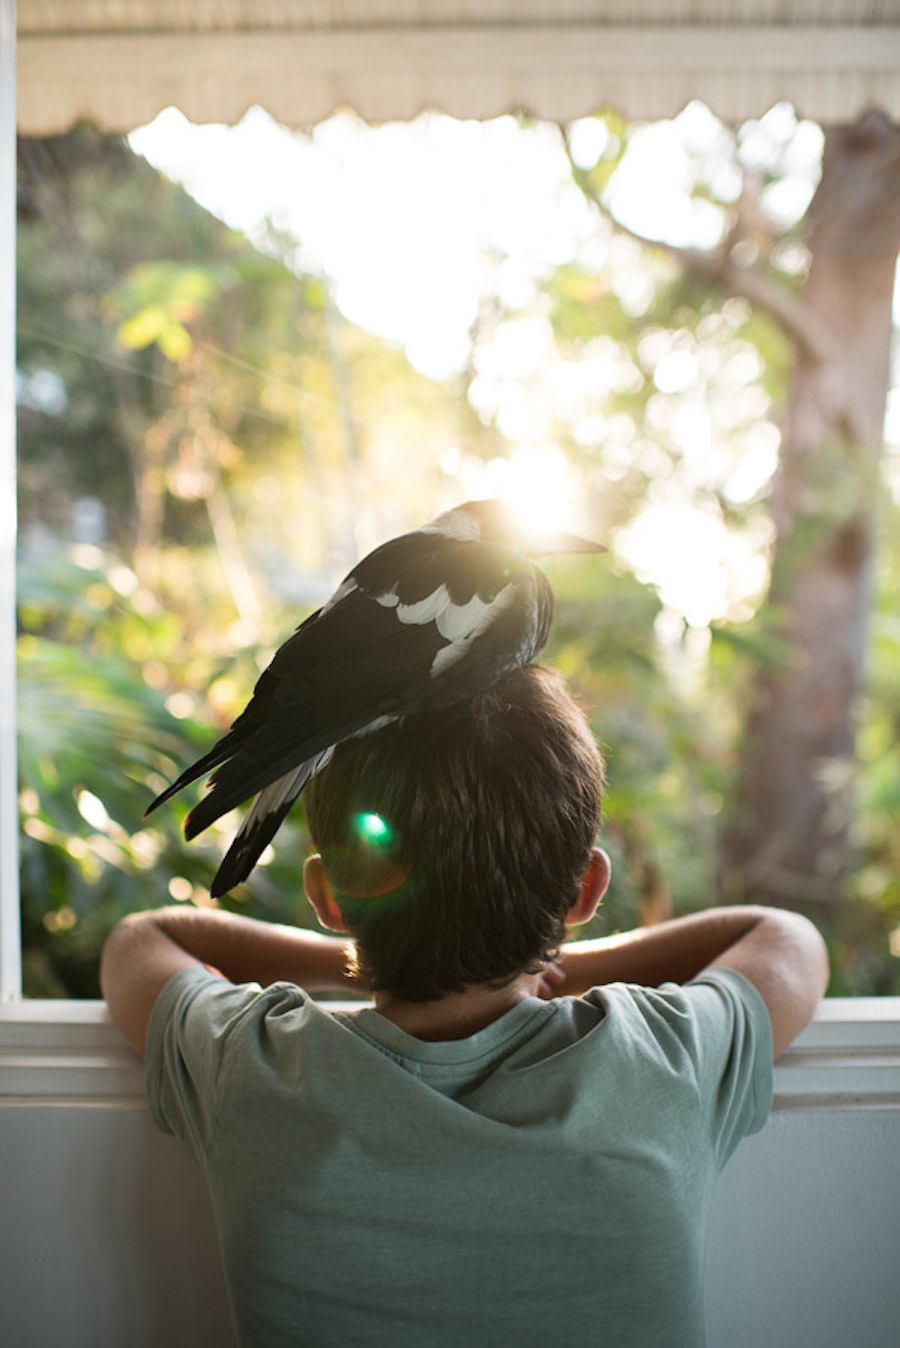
[{"x": 426, "y": 620}]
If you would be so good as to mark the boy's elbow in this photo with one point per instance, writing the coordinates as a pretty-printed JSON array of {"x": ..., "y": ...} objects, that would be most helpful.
[
  {"x": 121, "y": 950},
  {"x": 784, "y": 956},
  {"x": 801, "y": 975},
  {"x": 819, "y": 957},
  {"x": 806, "y": 952}
]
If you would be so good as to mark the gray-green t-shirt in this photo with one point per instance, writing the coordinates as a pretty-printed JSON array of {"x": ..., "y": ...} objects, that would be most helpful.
[{"x": 546, "y": 1180}]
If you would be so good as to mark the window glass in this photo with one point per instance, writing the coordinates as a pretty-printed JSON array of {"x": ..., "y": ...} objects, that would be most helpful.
[{"x": 227, "y": 395}]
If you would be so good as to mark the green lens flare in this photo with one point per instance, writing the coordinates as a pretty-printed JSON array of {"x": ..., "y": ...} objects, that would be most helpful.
[{"x": 372, "y": 828}]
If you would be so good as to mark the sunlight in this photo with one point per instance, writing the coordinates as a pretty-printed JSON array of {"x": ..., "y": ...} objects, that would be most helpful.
[
  {"x": 419, "y": 226},
  {"x": 700, "y": 568},
  {"x": 537, "y": 480},
  {"x": 541, "y": 487},
  {"x": 92, "y": 809},
  {"x": 409, "y": 221}
]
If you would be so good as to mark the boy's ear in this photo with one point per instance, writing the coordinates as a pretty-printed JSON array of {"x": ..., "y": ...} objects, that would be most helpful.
[
  {"x": 594, "y": 884},
  {"x": 318, "y": 891}
]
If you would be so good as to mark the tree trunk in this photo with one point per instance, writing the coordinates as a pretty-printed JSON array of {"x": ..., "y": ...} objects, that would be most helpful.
[{"x": 789, "y": 842}]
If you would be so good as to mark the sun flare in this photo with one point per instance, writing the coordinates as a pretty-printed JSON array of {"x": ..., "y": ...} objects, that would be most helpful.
[
  {"x": 542, "y": 488},
  {"x": 537, "y": 480}
]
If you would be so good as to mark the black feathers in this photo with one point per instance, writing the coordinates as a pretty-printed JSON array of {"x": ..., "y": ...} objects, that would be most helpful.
[{"x": 424, "y": 621}]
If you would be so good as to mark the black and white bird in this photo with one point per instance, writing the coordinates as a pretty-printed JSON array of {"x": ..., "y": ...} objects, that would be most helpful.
[{"x": 426, "y": 620}]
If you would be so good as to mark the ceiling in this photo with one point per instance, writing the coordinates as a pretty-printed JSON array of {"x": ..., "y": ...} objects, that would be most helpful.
[{"x": 119, "y": 62}]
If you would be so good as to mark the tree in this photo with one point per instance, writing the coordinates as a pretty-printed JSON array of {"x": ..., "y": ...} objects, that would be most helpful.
[{"x": 788, "y": 841}]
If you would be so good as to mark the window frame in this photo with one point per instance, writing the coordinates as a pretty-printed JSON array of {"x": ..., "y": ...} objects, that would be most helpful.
[
  {"x": 10, "y": 925},
  {"x": 68, "y": 1051},
  {"x": 850, "y": 1054}
]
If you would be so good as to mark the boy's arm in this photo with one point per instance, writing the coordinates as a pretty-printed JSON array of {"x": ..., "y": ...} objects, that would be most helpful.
[
  {"x": 780, "y": 953},
  {"x": 146, "y": 949}
]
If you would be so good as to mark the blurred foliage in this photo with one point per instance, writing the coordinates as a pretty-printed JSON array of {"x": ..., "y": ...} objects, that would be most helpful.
[
  {"x": 100, "y": 735},
  {"x": 205, "y": 447},
  {"x": 153, "y": 341},
  {"x": 868, "y": 924},
  {"x": 658, "y": 840},
  {"x": 156, "y": 301}
]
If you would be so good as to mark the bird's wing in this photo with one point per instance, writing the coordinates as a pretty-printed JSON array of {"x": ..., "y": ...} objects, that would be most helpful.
[
  {"x": 251, "y": 719},
  {"x": 408, "y": 628},
  {"x": 261, "y": 824},
  {"x": 321, "y": 688},
  {"x": 373, "y": 576}
]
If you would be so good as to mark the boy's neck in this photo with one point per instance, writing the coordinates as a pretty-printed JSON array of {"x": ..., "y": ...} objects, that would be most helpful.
[{"x": 458, "y": 1014}]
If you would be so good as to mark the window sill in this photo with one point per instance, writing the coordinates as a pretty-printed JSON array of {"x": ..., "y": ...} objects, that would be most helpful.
[
  {"x": 849, "y": 1056},
  {"x": 67, "y": 1051}
]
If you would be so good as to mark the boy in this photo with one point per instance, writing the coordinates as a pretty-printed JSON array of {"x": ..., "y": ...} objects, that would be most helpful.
[{"x": 476, "y": 1159}]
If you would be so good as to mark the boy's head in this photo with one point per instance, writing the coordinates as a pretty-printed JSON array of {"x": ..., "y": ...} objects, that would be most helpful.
[{"x": 455, "y": 842}]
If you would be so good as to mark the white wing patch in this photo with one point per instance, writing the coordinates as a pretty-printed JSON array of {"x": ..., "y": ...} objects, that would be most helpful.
[
  {"x": 461, "y": 620},
  {"x": 367, "y": 729},
  {"x": 427, "y": 610},
  {"x": 458, "y": 624},
  {"x": 462, "y": 623},
  {"x": 346, "y": 587},
  {"x": 279, "y": 792}
]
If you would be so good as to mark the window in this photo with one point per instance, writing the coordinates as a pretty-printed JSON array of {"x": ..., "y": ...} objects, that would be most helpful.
[{"x": 852, "y": 1049}]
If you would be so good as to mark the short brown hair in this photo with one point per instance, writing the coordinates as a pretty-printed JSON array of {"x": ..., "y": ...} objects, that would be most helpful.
[{"x": 455, "y": 840}]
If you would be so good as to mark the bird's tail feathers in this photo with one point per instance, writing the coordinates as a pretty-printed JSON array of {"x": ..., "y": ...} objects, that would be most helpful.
[
  {"x": 262, "y": 823},
  {"x": 249, "y": 720},
  {"x": 227, "y": 789},
  {"x": 213, "y": 759},
  {"x": 242, "y": 777}
]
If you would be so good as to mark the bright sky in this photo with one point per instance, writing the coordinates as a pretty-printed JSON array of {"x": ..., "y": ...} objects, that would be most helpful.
[
  {"x": 401, "y": 216},
  {"x": 415, "y": 223}
]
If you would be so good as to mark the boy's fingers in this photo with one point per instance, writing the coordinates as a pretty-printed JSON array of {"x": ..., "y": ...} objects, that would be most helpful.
[{"x": 552, "y": 976}]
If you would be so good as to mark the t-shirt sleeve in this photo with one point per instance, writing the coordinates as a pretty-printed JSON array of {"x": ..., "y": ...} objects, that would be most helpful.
[
  {"x": 732, "y": 1053},
  {"x": 190, "y": 1026},
  {"x": 716, "y": 1031}
]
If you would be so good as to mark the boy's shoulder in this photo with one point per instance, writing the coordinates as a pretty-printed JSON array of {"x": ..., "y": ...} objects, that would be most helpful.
[{"x": 618, "y": 1048}]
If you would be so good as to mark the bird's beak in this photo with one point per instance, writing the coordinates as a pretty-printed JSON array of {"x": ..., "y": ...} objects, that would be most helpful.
[{"x": 544, "y": 544}]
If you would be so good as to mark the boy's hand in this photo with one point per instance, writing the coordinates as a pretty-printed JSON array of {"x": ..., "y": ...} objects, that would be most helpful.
[{"x": 552, "y": 978}]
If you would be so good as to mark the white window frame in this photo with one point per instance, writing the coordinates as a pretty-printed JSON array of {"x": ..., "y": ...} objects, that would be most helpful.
[
  {"x": 10, "y": 927},
  {"x": 849, "y": 1055}
]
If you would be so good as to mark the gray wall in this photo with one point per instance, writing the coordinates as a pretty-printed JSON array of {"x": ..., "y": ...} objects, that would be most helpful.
[{"x": 107, "y": 1240}]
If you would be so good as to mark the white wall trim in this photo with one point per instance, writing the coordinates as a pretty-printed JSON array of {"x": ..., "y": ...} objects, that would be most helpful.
[
  {"x": 122, "y": 79},
  {"x": 849, "y": 1057},
  {"x": 485, "y": 48}
]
